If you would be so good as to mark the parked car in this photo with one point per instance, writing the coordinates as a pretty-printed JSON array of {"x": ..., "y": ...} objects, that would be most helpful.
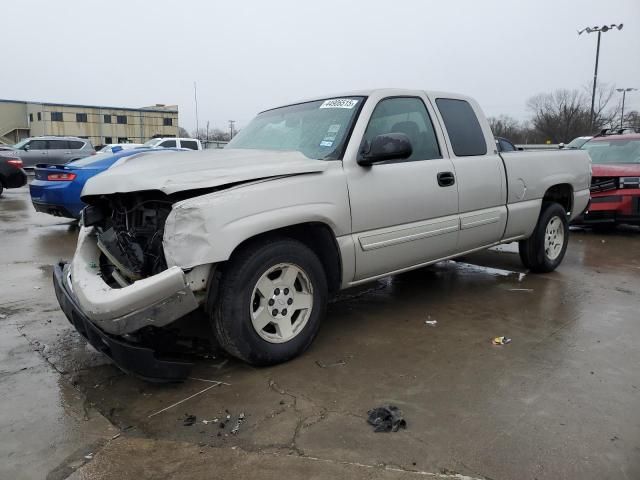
[
  {"x": 615, "y": 185},
  {"x": 56, "y": 188},
  {"x": 53, "y": 150},
  {"x": 308, "y": 199},
  {"x": 11, "y": 173},
  {"x": 505, "y": 145},
  {"x": 575, "y": 143},
  {"x": 172, "y": 142},
  {"x": 116, "y": 147},
  {"x": 6, "y": 148}
]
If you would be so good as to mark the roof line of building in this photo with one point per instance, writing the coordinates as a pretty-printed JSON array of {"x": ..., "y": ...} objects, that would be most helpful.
[{"x": 144, "y": 109}]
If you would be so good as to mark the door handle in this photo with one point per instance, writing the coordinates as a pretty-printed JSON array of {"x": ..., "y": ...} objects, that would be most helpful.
[{"x": 446, "y": 179}]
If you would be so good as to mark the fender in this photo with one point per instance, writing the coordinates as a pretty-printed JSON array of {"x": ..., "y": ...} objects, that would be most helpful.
[{"x": 207, "y": 229}]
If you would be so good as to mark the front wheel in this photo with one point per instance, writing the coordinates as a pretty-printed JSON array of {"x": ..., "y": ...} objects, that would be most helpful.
[
  {"x": 545, "y": 249},
  {"x": 271, "y": 300}
]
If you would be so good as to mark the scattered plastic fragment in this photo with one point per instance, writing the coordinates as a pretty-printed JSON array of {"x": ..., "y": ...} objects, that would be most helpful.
[
  {"x": 189, "y": 420},
  {"x": 235, "y": 429},
  {"x": 501, "y": 340},
  {"x": 386, "y": 419},
  {"x": 37, "y": 288},
  {"x": 89, "y": 456},
  {"x": 2, "y": 316},
  {"x": 116, "y": 436},
  {"x": 339, "y": 363},
  {"x": 521, "y": 289},
  {"x": 431, "y": 323},
  {"x": 207, "y": 422}
]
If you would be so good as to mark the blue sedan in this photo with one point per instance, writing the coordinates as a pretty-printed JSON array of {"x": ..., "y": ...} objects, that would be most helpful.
[{"x": 56, "y": 189}]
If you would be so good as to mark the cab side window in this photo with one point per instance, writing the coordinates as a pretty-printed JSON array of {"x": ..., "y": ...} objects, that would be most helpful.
[
  {"x": 463, "y": 127},
  {"x": 168, "y": 144},
  {"x": 406, "y": 115}
]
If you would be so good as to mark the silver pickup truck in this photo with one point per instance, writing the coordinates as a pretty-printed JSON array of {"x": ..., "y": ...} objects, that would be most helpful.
[{"x": 307, "y": 199}]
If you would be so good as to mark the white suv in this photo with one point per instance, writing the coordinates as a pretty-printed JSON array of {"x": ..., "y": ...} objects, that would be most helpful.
[{"x": 172, "y": 142}]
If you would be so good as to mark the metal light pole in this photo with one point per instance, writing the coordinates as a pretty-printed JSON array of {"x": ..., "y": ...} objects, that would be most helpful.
[
  {"x": 624, "y": 94},
  {"x": 231, "y": 122},
  {"x": 599, "y": 30}
]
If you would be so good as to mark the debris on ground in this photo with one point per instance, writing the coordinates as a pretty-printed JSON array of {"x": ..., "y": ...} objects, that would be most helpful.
[
  {"x": 339, "y": 363},
  {"x": 207, "y": 422},
  {"x": 2, "y": 316},
  {"x": 235, "y": 429},
  {"x": 431, "y": 323},
  {"x": 215, "y": 384},
  {"x": 89, "y": 456},
  {"x": 189, "y": 420},
  {"x": 387, "y": 418},
  {"x": 521, "y": 289},
  {"x": 501, "y": 340}
]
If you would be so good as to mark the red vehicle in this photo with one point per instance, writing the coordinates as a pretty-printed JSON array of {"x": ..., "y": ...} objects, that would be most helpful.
[{"x": 615, "y": 183}]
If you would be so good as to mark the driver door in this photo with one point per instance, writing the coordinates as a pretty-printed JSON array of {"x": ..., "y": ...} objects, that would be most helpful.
[{"x": 404, "y": 212}]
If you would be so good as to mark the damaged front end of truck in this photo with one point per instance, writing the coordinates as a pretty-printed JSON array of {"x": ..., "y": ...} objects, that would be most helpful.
[
  {"x": 118, "y": 291},
  {"x": 122, "y": 290}
]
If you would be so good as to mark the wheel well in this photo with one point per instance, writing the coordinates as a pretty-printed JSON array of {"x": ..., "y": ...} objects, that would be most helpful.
[
  {"x": 562, "y": 194},
  {"x": 318, "y": 237}
]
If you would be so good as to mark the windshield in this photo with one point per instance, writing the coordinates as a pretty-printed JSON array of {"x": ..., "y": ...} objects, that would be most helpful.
[
  {"x": 577, "y": 142},
  {"x": 152, "y": 143},
  {"x": 614, "y": 151},
  {"x": 21, "y": 144},
  {"x": 317, "y": 129}
]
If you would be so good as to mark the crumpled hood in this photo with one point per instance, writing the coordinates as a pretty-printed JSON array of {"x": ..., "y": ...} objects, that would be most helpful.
[
  {"x": 616, "y": 170},
  {"x": 173, "y": 172}
]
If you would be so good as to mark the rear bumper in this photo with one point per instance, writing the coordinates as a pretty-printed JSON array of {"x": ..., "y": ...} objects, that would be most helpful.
[
  {"x": 134, "y": 359},
  {"x": 55, "y": 210}
]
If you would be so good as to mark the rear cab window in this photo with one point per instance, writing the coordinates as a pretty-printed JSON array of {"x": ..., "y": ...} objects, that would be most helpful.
[
  {"x": 462, "y": 126},
  {"x": 191, "y": 144}
]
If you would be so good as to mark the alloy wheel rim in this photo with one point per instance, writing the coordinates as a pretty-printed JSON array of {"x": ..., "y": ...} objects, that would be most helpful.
[
  {"x": 554, "y": 238},
  {"x": 281, "y": 303}
]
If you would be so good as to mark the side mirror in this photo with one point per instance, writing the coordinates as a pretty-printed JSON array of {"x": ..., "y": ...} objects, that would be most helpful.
[
  {"x": 561, "y": 145},
  {"x": 116, "y": 149},
  {"x": 26, "y": 148},
  {"x": 388, "y": 146}
]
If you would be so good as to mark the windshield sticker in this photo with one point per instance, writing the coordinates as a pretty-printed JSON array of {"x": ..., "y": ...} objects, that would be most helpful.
[
  {"x": 339, "y": 103},
  {"x": 334, "y": 128},
  {"x": 324, "y": 143}
]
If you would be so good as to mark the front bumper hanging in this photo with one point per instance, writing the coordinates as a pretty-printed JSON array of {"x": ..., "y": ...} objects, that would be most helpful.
[{"x": 133, "y": 359}]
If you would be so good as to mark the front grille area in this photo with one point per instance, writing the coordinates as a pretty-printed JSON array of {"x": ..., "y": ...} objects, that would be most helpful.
[{"x": 603, "y": 184}]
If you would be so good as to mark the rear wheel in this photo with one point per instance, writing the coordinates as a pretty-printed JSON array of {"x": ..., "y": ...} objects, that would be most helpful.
[
  {"x": 271, "y": 300},
  {"x": 545, "y": 249}
]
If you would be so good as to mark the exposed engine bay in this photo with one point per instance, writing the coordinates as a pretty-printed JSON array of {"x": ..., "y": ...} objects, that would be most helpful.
[{"x": 129, "y": 228}]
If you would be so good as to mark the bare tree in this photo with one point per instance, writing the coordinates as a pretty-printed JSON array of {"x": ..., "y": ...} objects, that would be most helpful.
[
  {"x": 505, "y": 126},
  {"x": 212, "y": 135},
  {"x": 565, "y": 114},
  {"x": 182, "y": 133}
]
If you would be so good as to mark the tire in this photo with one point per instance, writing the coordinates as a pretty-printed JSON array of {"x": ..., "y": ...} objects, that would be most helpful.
[
  {"x": 1, "y": 187},
  {"x": 545, "y": 249},
  {"x": 262, "y": 284}
]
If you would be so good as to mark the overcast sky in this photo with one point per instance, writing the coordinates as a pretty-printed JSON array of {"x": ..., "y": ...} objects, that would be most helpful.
[{"x": 250, "y": 55}]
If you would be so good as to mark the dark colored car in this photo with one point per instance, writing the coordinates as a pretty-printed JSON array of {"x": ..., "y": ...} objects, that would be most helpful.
[
  {"x": 11, "y": 173},
  {"x": 615, "y": 183},
  {"x": 505, "y": 145}
]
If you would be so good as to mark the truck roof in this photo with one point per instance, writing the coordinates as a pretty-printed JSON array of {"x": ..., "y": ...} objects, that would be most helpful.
[{"x": 378, "y": 92}]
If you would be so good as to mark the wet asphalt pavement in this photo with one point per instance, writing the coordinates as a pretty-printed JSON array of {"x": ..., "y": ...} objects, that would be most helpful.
[{"x": 561, "y": 401}]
